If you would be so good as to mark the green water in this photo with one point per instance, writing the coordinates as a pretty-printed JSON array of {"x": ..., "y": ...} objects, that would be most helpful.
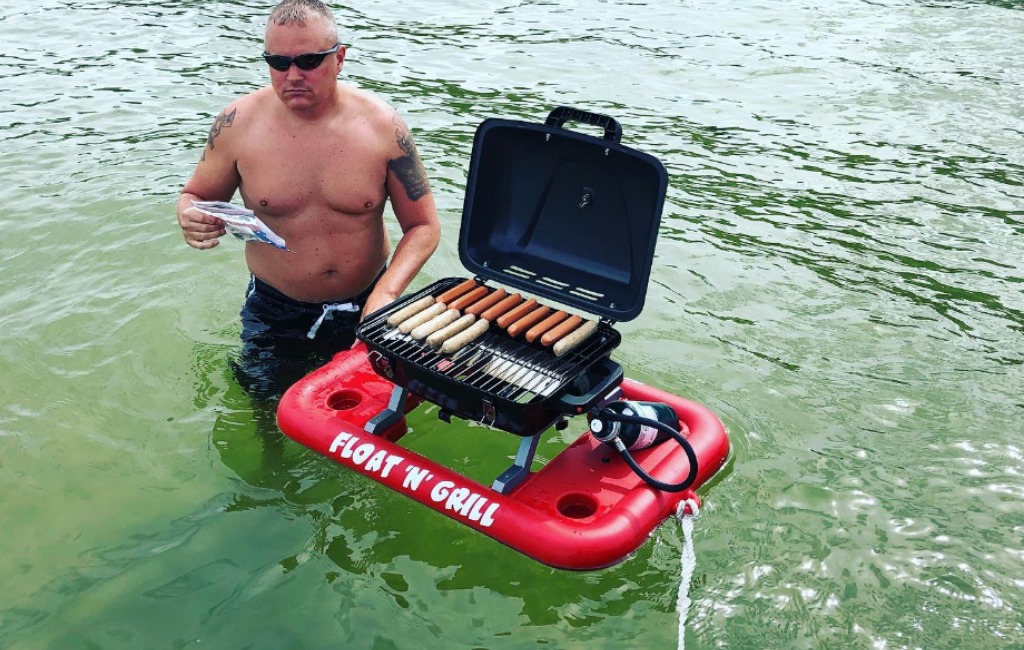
[{"x": 838, "y": 277}]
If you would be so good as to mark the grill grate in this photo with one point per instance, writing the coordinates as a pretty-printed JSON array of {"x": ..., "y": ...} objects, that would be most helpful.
[
  {"x": 498, "y": 380},
  {"x": 494, "y": 364}
]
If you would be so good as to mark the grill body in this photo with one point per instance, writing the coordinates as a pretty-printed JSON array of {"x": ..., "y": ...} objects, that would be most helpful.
[{"x": 506, "y": 383}]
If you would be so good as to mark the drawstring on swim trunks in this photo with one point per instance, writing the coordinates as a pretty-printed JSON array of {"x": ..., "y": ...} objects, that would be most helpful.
[{"x": 329, "y": 310}]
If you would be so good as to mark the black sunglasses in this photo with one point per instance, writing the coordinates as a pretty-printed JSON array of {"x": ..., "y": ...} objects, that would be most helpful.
[{"x": 303, "y": 61}]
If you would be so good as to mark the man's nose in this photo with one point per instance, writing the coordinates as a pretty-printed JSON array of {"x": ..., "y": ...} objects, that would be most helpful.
[{"x": 294, "y": 72}]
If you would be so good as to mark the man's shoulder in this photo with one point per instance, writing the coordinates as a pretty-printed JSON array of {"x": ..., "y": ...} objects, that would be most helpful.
[
  {"x": 245, "y": 112},
  {"x": 369, "y": 106},
  {"x": 254, "y": 101}
]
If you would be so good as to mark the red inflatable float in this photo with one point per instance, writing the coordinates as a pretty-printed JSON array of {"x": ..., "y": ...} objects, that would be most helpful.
[{"x": 585, "y": 509}]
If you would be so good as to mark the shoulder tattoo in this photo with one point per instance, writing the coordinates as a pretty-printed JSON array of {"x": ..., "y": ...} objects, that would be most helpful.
[
  {"x": 408, "y": 168},
  {"x": 223, "y": 120}
]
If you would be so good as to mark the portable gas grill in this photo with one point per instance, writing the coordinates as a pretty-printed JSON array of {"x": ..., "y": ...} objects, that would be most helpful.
[{"x": 567, "y": 217}]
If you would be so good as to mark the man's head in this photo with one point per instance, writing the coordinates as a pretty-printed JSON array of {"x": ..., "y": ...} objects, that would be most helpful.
[
  {"x": 296, "y": 28},
  {"x": 298, "y": 12}
]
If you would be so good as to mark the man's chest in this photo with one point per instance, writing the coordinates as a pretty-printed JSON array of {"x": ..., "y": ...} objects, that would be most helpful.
[{"x": 284, "y": 175}]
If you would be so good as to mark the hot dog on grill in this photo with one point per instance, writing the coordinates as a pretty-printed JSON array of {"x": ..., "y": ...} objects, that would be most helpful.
[
  {"x": 445, "y": 333},
  {"x": 468, "y": 299},
  {"x": 553, "y": 335},
  {"x": 446, "y": 317},
  {"x": 528, "y": 321},
  {"x": 535, "y": 332},
  {"x": 465, "y": 337},
  {"x": 504, "y": 304},
  {"x": 456, "y": 291},
  {"x": 410, "y": 310},
  {"x": 440, "y": 322},
  {"x": 518, "y": 312},
  {"x": 507, "y": 303},
  {"x": 415, "y": 321},
  {"x": 574, "y": 338},
  {"x": 484, "y": 304}
]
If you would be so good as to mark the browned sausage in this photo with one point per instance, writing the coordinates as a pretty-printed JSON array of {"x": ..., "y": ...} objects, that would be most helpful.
[
  {"x": 575, "y": 337},
  {"x": 468, "y": 299},
  {"x": 528, "y": 321},
  {"x": 456, "y": 291},
  {"x": 554, "y": 319},
  {"x": 552, "y": 335},
  {"x": 508, "y": 302},
  {"x": 484, "y": 304},
  {"x": 507, "y": 319}
]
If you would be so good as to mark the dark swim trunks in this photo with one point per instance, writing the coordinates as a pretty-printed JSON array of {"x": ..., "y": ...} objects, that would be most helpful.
[{"x": 284, "y": 339}]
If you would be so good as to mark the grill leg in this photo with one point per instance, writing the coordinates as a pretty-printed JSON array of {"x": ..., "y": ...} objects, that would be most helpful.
[
  {"x": 518, "y": 472},
  {"x": 391, "y": 415}
]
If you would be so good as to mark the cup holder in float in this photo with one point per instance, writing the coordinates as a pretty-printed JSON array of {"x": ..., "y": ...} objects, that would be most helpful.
[
  {"x": 575, "y": 505},
  {"x": 344, "y": 400}
]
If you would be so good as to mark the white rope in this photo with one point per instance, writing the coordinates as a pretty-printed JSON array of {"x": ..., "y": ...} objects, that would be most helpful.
[
  {"x": 688, "y": 561},
  {"x": 329, "y": 310}
]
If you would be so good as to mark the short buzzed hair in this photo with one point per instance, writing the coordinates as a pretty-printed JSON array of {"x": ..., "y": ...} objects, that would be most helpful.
[{"x": 296, "y": 12}]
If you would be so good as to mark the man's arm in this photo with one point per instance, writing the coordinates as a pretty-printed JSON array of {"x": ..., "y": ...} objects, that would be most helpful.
[
  {"x": 413, "y": 205},
  {"x": 215, "y": 179}
]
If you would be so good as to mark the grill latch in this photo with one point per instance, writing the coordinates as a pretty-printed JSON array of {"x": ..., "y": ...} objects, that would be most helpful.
[
  {"x": 381, "y": 365},
  {"x": 490, "y": 414}
]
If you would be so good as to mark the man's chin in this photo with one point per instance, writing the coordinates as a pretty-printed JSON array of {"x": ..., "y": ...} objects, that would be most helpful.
[{"x": 303, "y": 96}]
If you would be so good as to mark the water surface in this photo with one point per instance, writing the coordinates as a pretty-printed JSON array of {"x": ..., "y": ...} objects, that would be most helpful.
[{"x": 838, "y": 277}]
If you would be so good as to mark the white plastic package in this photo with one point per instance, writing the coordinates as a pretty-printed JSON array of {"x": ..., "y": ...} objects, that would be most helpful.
[{"x": 241, "y": 222}]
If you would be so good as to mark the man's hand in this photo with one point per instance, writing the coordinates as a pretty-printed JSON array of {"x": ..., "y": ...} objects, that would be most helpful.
[
  {"x": 379, "y": 298},
  {"x": 200, "y": 230}
]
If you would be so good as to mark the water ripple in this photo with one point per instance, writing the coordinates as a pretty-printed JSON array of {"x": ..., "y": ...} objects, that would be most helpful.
[{"x": 838, "y": 276}]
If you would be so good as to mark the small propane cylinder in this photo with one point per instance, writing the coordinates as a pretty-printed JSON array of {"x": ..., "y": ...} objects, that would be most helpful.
[{"x": 635, "y": 436}]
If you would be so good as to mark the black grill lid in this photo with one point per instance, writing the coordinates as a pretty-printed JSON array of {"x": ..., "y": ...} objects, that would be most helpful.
[{"x": 562, "y": 214}]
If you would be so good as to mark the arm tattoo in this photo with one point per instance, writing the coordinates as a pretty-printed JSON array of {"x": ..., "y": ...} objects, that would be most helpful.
[
  {"x": 224, "y": 119},
  {"x": 409, "y": 168}
]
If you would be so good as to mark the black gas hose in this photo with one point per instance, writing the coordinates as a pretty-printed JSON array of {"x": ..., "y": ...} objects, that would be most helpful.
[{"x": 609, "y": 415}]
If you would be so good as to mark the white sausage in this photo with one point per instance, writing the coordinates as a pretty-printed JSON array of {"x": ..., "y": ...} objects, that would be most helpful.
[
  {"x": 410, "y": 324},
  {"x": 445, "y": 333},
  {"x": 410, "y": 310},
  {"x": 466, "y": 337},
  {"x": 434, "y": 324},
  {"x": 574, "y": 338}
]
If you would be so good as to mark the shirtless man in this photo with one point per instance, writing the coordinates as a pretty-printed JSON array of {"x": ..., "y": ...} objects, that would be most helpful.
[{"x": 316, "y": 160}]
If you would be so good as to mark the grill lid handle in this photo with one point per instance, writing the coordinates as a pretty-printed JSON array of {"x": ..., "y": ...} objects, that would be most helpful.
[{"x": 562, "y": 114}]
